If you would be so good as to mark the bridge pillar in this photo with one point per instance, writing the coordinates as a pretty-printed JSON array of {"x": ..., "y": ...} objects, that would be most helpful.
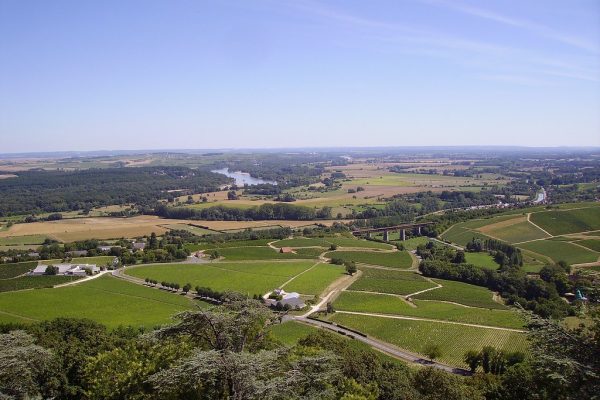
[
  {"x": 369, "y": 235},
  {"x": 403, "y": 234},
  {"x": 385, "y": 236},
  {"x": 419, "y": 230}
]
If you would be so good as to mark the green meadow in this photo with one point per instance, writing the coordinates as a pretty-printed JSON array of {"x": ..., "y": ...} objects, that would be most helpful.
[
  {"x": 107, "y": 300},
  {"x": 315, "y": 280},
  {"x": 397, "y": 259},
  {"x": 257, "y": 277},
  {"x": 482, "y": 259}
]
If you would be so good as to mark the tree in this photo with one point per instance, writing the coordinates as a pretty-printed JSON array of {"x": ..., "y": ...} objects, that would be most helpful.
[
  {"x": 566, "y": 361},
  {"x": 51, "y": 270},
  {"x": 122, "y": 372},
  {"x": 432, "y": 351},
  {"x": 333, "y": 247},
  {"x": 472, "y": 359},
  {"x": 330, "y": 308},
  {"x": 459, "y": 258},
  {"x": 186, "y": 288},
  {"x": 351, "y": 267},
  {"x": 153, "y": 242},
  {"x": 26, "y": 369},
  {"x": 232, "y": 195}
]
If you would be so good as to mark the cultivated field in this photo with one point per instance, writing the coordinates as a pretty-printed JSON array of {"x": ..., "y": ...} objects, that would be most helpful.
[
  {"x": 558, "y": 251},
  {"x": 34, "y": 282},
  {"x": 69, "y": 230},
  {"x": 462, "y": 293},
  {"x": 386, "y": 281},
  {"x": 386, "y": 304},
  {"x": 107, "y": 300},
  {"x": 548, "y": 236},
  {"x": 258, "y": 253},
  {"x": 315, "y": 280},
  {"x": 568, "y": 221},
  {"x": 397, "y": 259},
  {"x": 251, "y": 278},
  {"x": 454, "y": 340},
  {"x": 12, "y": 270}
]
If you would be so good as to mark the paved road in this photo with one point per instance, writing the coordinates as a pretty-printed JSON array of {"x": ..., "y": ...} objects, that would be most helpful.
[{"x": 384, "y": 347}]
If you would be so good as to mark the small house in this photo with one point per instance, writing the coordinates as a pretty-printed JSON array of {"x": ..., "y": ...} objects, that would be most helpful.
[
  {"x": 286, "y": 250},
  {"x": 139, "y": 246}
]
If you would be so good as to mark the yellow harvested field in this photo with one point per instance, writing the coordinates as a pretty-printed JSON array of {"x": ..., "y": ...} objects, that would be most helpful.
[{"x": 69, "y": 230}]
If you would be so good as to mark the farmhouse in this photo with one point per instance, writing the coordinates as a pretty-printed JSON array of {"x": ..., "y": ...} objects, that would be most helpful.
[
  {"x": 67, "y": 269},
  {"x": 104, "y": 248},
  {"x": 292, "y": 300},
  {"x": 286, "y": 250},
  {"x": 139, "y": 245}
]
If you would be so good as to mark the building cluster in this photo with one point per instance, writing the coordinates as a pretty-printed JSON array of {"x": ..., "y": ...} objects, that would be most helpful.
[
  {"x": 67, "y": 269},
  {"x": 292, "y": 300}
]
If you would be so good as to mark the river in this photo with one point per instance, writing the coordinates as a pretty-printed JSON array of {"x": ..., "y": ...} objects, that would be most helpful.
[{"x": 242, "y": 178}]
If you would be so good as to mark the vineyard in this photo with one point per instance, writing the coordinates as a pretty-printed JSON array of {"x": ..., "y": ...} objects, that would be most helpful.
[
  {"x": 386, "y": 304},
  {"x": 453, "y": 340},
  {"x": 386, "y": 281},
  {"x": 463, "y": 293},
  {"x": 397, "y": 259}
]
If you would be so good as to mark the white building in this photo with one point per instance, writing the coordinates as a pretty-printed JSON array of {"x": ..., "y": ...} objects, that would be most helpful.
[{"x": 67, "y": 269}]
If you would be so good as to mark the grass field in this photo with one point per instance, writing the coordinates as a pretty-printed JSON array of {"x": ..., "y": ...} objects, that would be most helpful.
[
  {"x": 592, "y": 244},
  {"x": 290, "y": 332},
  {"x": 23, "y": 240},
  {"x": 385, "y": 281},
  {"x": 483, "y": 260},
  {"x": 13, "y": 270},
  {"x": 244, "y": 277},
  {"x": 461, "y": 235},
  {"x": 386, "y": 304},
  {"x": 569, "y": 221},
  {"x": 259, "y": 253},
  {"x": 454, "y": 340},
  {"x": 107, "y": 300},
  {"x": 316, "y": 280},
  {"x": 412, "y": 243},
  {"x": 463, "y": 293},
  {"x": 397, "y": 259},
  {"x": 518, "y": 232},
  {"x": 34, "y": 282},
  {"x": 558, "y": 251},
  {"x": 310, "y": 252}
]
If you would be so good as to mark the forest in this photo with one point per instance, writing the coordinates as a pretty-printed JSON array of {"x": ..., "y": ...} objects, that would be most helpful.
[{"x": 38, "y": 191}]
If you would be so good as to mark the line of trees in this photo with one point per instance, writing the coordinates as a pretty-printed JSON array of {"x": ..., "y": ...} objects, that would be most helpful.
[{"x": 283, "y": 211}]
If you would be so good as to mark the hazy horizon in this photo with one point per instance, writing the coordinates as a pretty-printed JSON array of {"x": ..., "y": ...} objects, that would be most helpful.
[{"x": 81, "y": 76}]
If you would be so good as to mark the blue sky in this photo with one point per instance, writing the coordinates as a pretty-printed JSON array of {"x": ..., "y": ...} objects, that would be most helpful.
[{"x": 91, "y": 75}]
